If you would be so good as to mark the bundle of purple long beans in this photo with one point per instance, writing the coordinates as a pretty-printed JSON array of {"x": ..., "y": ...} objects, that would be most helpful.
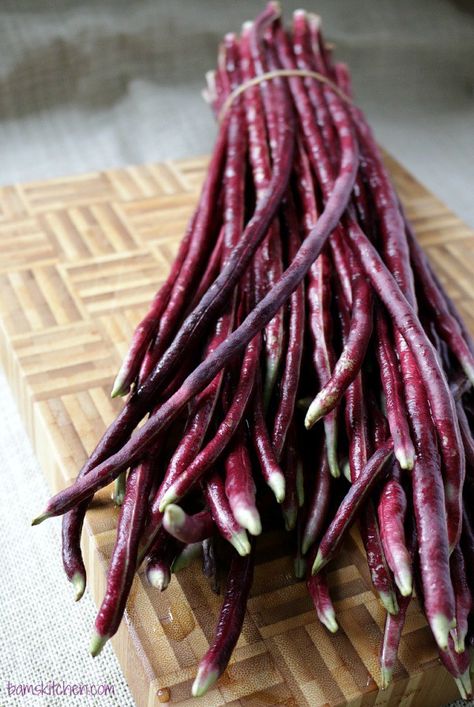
[{"x": 301, "y": 333}]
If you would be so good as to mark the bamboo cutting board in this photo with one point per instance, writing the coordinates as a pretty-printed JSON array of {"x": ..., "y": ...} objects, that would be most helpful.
[{"x": 80, "y": 259}]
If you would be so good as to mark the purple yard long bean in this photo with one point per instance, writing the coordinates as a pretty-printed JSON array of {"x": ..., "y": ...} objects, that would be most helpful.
[
  {"x": 319, "y": 592},
  {"x": 160, "y": 558},
  {"x": 299, "y": 286},
  {"x": 319, "y": 301},
  {"x": 391, "y": 512},
  {"x": 240, "y": 485},
  {"x": 294, "y": 351},
  {"x": 430, "y": 517},
  {"x": 318, "y": 507},
  {"x": 357, "y": 428},
  {"x": 261, "y": 153},
  {"x": 348, "y": 508},
  {"x": 229, "y": 624},
  {"x": 394, "y": 397},
  {"x": 187, "y": 528},
  {"x": 264, "y": 451},
  {"x": 394, "y": 624},
  {"x": 230, "y": 529},
  {"x": 425, "y": 358},
  {"x": 290, "y": 464},
  {"x": 462, "y": 598},
  {"x": 350, "y": 361},
  {"x": 446, "y": 323},
  {"x": 124, "y": 556},
  {"x": 224, "y": 433}
]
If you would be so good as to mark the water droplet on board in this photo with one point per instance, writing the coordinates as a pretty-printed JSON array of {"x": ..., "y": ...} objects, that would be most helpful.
[
  {"x": 163, "y": 695},
  {"x": 178, "y": 622}
]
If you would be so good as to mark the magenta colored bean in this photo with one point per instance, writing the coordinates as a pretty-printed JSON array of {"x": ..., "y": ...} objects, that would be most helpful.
[
  {"x": 446, "y": 324},
  {"x": 229, "y": 528},
  {"x": 123, "y": 562},
  {"x": 146, "y": 329},
  {"x": 229, "y": 626},
  {"x": 265, "y": 453},
  {"x": 462, "y": 598},
  {"x": 261, "y": 115},
  {"x": 319, "y": 301},
  {"x": 289, "y": 465},
  {"x": 319, "y": 591},
  {"x": 390, "y": 376},
  {"x": 353, "y": 354},
  {"x": 392, "y": 507},
  {"x": 187, "y": 528},
  {"x": 240, "y": 486},
  {"x": 350, "y": 505},
  {"x": 262, "y": 313},
  {"x": 430, "y": 516},
  {"x": 294, "y": 350},
  {"x": 427, "y": 363},
  {"x": 458, "y": 665},
  {"x": 160, "y": 558},
  {"x": 319, "y": 504}
]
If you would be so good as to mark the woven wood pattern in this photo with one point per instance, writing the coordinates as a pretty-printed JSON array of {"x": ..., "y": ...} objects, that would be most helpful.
[{"x": 80, "y": 259}]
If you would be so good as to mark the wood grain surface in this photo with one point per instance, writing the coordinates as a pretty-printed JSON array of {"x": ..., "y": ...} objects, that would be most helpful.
[{"x": 80, "y": 259}]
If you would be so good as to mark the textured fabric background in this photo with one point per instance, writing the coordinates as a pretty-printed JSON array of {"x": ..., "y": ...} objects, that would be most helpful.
[
  {"x": 86, "y": 85},
  {"x": 90, "y": 84}
]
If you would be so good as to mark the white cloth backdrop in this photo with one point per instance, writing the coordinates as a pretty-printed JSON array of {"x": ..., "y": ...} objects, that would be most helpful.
[{"x": 86, "y": 85}]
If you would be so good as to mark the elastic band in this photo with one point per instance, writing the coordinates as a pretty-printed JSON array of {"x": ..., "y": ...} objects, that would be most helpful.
[{"x": 275, "y": 74}]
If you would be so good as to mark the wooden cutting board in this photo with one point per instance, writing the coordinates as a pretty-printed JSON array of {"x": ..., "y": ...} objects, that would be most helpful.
[{"x": 80, "y": 258}]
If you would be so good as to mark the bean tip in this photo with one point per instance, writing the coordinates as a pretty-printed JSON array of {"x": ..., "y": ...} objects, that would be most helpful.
[
  {"x": 120, "y": 386},
  {"x": 385, "y": 676},
  {"x": 290, "y": 515},
  {"x": 186, "y": 557},
  {"x": 313, "y": 414},
  {"x": 389, "y": 602},
  {"x": 305, "y": 544},
  {"x": 469, "y": 371},
  {"x": 159, "y": 578},
  {"x": 333, "y": 463},
  {"x": 346, "y": 470},
  {"x": 39, "y": 519},
  {"x": 318, "y": 563},
  {"x": 303, "y": 404},
  {"x": 299, "y": 12},
  {"x": 249, "y": 518},
  {"x": 440, "y": 627},
  {"x": 276, "y": 482},
  {"x": 404, "y": 582},
  {"x": 328, "y": 619},
  {"x": 276, "y": 7},
  {"x": 241, "y": 542},
  {"x": 464, "y": 685},
  {"x": 118, "y": 493},
  {"x": 78, "y": 582},
  {"x": 174, "y": 517},
  {"x": 97, "y": 643},
  {"x": 168, "y": 498},
  {"x": 314, "y": 20},
  {"x": 458, "y": 640},
  {"x": 300, "y": 484},
  {"x": 335, "y": 471},
  {"x": 406, "y": 458},
  {"x": 300, "y": 567},
  {"x": 204, "y": 679}
]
